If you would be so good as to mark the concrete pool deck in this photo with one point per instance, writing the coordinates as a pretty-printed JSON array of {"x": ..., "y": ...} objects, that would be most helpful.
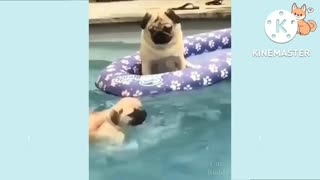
[{"x": 133, "y": 11}]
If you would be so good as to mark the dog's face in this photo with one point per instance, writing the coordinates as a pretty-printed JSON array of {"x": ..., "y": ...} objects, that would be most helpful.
[
  {"x": 299, "y": 13},
  {"x": 128, "y": 111},
  {"x": 160, "y": 27}
]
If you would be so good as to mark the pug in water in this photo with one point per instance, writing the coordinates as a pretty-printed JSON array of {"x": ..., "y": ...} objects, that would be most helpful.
[
  {"x": 162, "y": 47},
  {"x": 109, "y": 125}
]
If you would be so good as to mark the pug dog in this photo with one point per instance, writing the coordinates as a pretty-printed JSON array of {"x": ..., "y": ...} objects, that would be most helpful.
[
  {"x": 162, "y": 47},
  {"x": 109, "y": 125}
]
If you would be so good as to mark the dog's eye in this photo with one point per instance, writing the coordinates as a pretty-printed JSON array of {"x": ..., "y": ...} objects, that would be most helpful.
[
  {"x": 167, "y": 29},
  {"x": 295, "y": 13},
  {"x": 151, "y": 30}
]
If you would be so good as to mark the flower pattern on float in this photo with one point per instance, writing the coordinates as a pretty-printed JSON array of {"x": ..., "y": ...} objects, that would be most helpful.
[{"x": 122, "y": 77}]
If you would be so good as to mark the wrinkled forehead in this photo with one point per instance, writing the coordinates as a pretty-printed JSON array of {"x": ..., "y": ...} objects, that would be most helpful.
[
  {"x": 132, "y": 111},
  {"x": 129, "y": 101},
  {"x": 159, "y": 16},
  {"x": 127, "y": 106}
]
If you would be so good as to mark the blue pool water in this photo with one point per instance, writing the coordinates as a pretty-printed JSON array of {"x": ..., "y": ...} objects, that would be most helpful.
[{"x": 187, "y": 135}]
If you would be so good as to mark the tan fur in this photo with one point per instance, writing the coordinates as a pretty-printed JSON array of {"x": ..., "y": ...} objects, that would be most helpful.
[
  {"x": 312, "y": 25},
  {"x": 103, "y": 125},
  {"x": 150, "y": 52},
  {"x": 304, "y": 27}
]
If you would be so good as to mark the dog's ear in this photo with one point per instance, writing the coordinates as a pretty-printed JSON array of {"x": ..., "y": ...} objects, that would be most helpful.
[
  {"x": 173, "y": 16},
  {"x": 114, "y": 117},
  {"x": 304, "y": 7},
  {"x": 145, "y": 20},
  {"x": 120, "y": 111},
  {"x": 294, "y": 6}
]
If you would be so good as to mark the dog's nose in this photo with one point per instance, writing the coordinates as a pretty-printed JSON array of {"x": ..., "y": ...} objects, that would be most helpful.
[
  {"x": 138, "y": 118},
  {"x": 155, "y": 28},
  {"x": 167, "y": 29}
]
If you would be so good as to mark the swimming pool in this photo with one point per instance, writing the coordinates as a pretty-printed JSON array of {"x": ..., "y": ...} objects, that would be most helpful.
[{"x": 187, "y": 135}]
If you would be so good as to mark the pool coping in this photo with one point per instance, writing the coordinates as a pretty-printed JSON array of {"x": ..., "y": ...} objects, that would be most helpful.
[{"x": 108, "y": 13}]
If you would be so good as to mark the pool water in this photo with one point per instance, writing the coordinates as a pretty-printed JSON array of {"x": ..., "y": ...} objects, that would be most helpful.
[{"x": 187, "y": 135}]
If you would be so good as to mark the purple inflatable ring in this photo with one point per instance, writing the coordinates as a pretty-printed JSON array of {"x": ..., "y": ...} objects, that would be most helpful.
[{"x": 123, "y": 77}]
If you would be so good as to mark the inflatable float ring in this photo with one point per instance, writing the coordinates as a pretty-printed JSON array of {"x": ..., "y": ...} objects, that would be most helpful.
[{"x": 123, "y": 77}]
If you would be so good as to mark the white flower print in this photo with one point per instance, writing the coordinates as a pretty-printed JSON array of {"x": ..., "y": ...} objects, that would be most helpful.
[
  {"x": 186, "y": 50},
  {"x": 211, "y": 43},
  {"x": 195, "y": 66},
  {"x": 100, "y": 84},
  {"x": 211, "y": 35},
  {"x": 190, "y": 44},
  {"x": 118, "y": 73},
  {"x": 177, "y": 73},
  {"x": 214, "y": 60},
  {"x": 195, "y": 76},
  {"x": 139, "y": 61},
  {"x": 110, "y": 66},
  {"x": 126, "y": 81},
  {"x": 201, "y": 39},
  {"x": 225, "y": 40},
  {"x": 137, "y": 57},
  {"x": 213, "y": 68},
  {"x": 185, "y": 41},
  {"x": 98, "y": 79},
  {"x": 125, "y": 67},
  {"x": 228, "y": 61},
  {"x": 204, "y": 39},
  {"x": 175, "y": 85},
  {"x": 224, "y": 73},
  {"x": 110, "y": 69},
  {"x": 124, "y": 61},
  {"x": 218, "y": 36},
  {"x": 137, "y": 93},
  {"x": 113, "y": 83},
  {"x": 125, "y": 93},
  {"x": 187, "y": 87},
  {"x": 206, "y": 81},
  {"x": 198, "y": 46},
  {"x": 104, "y": 87},
  {"x": 135, "y": 69},
  {"x": 108, "y": 77}
]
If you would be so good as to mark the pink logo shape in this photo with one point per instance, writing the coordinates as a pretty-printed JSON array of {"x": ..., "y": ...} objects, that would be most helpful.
[{"x": 310, "y": 10}]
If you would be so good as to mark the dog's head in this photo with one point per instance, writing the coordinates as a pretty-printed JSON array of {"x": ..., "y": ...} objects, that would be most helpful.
[
  {"x": 299, "y": 13},
  {"x": 160, "y": 27},
  {"x": 128, "y": 111}
]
